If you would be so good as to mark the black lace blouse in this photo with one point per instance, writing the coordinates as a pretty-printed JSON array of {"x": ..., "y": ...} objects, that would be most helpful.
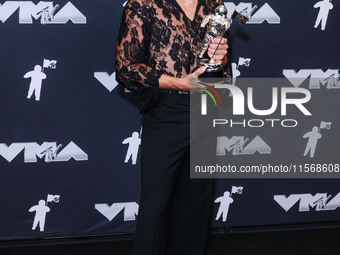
[{"x": 155, "y": 38}]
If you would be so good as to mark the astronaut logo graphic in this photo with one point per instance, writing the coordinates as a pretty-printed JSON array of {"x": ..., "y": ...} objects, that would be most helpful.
[
  {"x": 236, "y": 67},
  {"x": 225, "y": 202},
  {"x": 325, "y": 6},
  {"x": 313, "y": 136},
  {"x": 41, "y": 209},
  {"x": 37, "y": 76},
  {"x": 133, "y": 147}
]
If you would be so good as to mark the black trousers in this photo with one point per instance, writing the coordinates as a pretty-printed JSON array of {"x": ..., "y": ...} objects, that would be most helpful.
[{"x": 174, "y": 209}]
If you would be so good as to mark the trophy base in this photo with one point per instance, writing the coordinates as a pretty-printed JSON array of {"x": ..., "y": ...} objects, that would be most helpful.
[{"x": 213, "y": 72}]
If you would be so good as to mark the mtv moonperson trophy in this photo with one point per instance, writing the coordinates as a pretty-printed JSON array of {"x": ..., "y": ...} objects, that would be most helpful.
[{"x": 218, "y": 25}]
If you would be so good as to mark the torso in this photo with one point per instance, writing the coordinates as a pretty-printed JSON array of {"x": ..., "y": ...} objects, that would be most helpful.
[
  {"x": 175, "y": 39},
  {"x": 189, "y": 7}
]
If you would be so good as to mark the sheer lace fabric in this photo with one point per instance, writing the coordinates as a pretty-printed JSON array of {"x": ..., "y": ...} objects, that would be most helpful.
[{"x": 155, "y": 38}]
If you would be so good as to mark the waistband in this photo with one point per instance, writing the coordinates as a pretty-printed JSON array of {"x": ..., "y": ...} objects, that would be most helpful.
[{"x": 172, "y": 91}]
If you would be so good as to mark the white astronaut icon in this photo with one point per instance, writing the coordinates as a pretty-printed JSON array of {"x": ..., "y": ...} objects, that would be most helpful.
[
  {"x": 225, "y": 202},
  {"x": 41, "y": 209},
  {"x": 40, "y": 214},
  {"x": 37, "y": 76},
  {"x": 313, "y": 137},
  {"x": 236, "y": 67},
  {"x": 325, "y": 6},
  {"x": 132, "y": 152}
]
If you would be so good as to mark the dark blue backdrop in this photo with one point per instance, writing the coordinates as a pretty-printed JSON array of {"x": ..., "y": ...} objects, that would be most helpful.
[{"x": 93, "y": 192}]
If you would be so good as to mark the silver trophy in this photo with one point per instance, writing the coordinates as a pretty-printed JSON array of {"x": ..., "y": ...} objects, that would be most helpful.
[{"x": 218, "y": 25}]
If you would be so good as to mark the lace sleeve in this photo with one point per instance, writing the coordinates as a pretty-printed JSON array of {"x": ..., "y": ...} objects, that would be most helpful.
[{"x": 132, "y": 69}]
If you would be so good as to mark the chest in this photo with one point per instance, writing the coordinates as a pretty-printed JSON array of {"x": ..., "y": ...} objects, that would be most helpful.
[
  {"x": 189, "y": 8},
  {"x": 175, "y": 23}
]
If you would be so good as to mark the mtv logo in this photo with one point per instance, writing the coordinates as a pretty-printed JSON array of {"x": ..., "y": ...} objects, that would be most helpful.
[{"x": 240, "y": 146}]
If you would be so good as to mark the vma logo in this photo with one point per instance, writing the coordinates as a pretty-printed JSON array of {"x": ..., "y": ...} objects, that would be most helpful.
[
  {"x": 241, "y": 146},
  {"x": 321, "y": 202},
  {"x": 329, "y": 79},
  {"x": 110, "y": 212},
  {"x": 45, "y": 11},
  {"x": 48, "y": 150},
  {"x": 265, "y": 13},
  {"x": 107, "y": 80}
]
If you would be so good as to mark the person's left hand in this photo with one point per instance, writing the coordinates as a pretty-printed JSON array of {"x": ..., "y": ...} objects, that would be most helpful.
[{"x": 221, "y": 51}]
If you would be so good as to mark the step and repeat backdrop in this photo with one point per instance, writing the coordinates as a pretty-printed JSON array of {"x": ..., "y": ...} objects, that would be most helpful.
[{"x": 70, "y": 135}]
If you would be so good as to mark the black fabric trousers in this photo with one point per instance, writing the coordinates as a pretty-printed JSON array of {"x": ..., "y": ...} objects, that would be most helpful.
[{"x": 174, "y": 209}]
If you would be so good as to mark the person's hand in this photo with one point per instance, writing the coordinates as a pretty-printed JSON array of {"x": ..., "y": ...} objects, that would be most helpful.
[
  {"x": 187, "y": 84},
  {"x": 221, "y": 51},
  {"x": 190, "y": 82}
]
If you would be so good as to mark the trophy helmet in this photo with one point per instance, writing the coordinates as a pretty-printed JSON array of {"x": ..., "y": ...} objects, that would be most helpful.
[{"x": 221, "y": 10}]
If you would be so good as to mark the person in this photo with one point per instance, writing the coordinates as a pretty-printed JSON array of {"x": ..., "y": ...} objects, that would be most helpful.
[{"x": 156, "y": 58}]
